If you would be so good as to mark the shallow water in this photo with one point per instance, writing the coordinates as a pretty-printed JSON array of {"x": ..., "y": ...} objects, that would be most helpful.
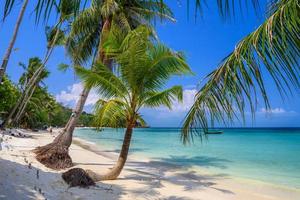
[{"x": 266, "y": 154}]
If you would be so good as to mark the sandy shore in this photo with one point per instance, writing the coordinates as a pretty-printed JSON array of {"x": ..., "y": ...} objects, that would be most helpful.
[{"x": 22, "y": 177}]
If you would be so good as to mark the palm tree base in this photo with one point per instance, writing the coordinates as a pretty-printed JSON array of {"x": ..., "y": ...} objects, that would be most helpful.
[
  {"x": 77, "y": 177},
  {"x": 84, "y": 178},
  {"x": 54, "y": 156}
]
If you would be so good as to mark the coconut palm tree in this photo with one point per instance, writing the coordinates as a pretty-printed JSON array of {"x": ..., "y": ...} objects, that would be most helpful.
[
  {"x": 12, "y": 42},
  {"x": 88, "y": 34},
  {"x": 143, "y": 69},
  {"x": 273, "y": 50}
]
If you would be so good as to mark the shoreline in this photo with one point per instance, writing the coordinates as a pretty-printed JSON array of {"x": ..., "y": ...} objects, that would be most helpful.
[
  {"x": 91, "y": 146},
  {"x": 141, "y": 179}
]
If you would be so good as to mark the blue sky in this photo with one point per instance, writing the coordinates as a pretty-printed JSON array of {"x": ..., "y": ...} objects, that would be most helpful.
[{"x": 205, "y": 43}]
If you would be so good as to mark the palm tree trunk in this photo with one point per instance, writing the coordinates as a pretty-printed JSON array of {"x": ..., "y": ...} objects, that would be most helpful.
[
  {"x": 117, "y": 169},
  {"x": 13, "y": 40},
  {"x": 65, "y": 138},
  {"x": 23, "y": 106}
]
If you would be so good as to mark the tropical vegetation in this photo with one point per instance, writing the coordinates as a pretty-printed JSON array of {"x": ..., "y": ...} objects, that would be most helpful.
[
  {"x": 41, "y": 109},
  {"x": 8, "y": 96}
]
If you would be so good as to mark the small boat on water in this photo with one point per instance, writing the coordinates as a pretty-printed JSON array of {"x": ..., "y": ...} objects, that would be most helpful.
[{"x": 215, "y": 132}]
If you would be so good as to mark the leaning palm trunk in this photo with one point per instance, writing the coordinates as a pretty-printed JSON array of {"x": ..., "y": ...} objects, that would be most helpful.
[
  {"x": 55, "y": 154},
  {"x": 23, "y": 106},
  {"x": 48, "y": 154},
  {"x": 65, "y": 138},
  {"x": 12, "y": 42},
  {"x": 116, "y": 170}
]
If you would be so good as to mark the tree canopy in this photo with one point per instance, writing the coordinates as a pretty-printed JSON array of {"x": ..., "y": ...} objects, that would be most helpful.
[{"x": 143, "y": 69}]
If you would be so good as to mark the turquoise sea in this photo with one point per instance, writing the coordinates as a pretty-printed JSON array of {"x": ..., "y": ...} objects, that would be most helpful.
[{"x": 270, "y": 155}]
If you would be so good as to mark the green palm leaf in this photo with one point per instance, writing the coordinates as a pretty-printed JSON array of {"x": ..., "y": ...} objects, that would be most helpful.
[
  {"x": 101, "y": 78},
  {"x": 227, "y": 8},
  {"x": 166, "y": 97},
  {"x": 84, "y": 36},
  {"x": 162, "y": 56},
  {"x": 110, "y": 113}
]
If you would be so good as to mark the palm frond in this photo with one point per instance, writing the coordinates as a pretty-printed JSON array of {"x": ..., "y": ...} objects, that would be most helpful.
[
  {"x": 164, "y": 98},
  {"x": 272, "y": 49},
  {"x": 227, "y": 8},
  {"x": 51, "y": 35},
  {"x": 63, "y": 67},
  {"x": 173, "y": 62},
  {"x": 7, "y": 7},
  {"x": 141, "y": 14},
  {"x": 133, "y": 46},
  {"x": 144, "y": 12},
  {"x": 103, "y": 80},
  {"x": 110, "y": 113},
  {"x": 116, "y": 36},
  {"x": 140, "y": 121},
  {"x": 84, "y": 36},
  {"x": 109, "y": 8},
  {"x": 155, "y": 60}
]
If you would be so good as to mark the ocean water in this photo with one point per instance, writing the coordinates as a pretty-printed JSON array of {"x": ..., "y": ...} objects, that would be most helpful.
[{"x": 270, "y": 155}]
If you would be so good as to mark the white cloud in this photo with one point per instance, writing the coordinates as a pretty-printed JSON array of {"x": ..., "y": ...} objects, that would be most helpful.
[
  {"x": 188, "y": 101},
  {"x": 71, "y": 95},
  {"x": 275, "y": 111}
]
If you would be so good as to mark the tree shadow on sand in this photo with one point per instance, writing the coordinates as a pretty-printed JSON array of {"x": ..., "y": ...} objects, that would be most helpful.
[
  {"x": 153, "y": 173},
  {"x": 175, "y": 170}
]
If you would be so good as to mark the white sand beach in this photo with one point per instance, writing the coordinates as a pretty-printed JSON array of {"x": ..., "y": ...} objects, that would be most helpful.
[{"x": 22, "y": 177}]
